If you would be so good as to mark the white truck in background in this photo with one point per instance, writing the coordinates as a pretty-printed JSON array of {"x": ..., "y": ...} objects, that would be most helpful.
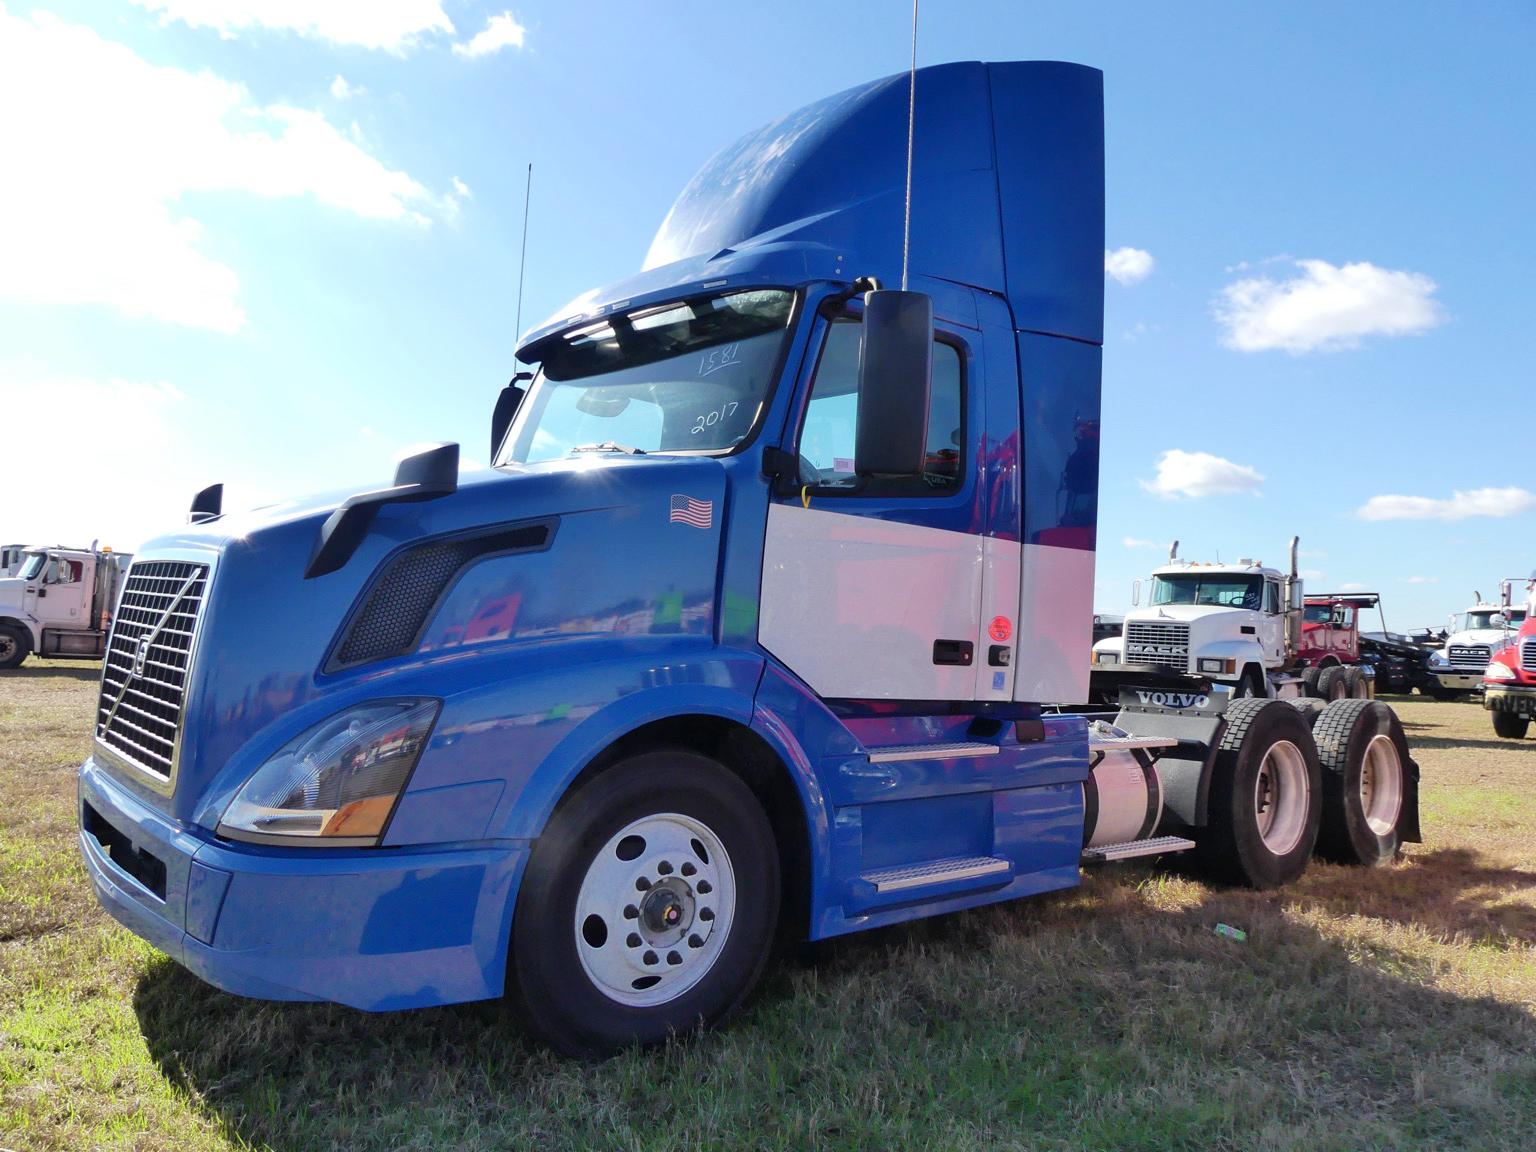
[
  {"x": 11, "y": 558},
  {"x": 59, "y": 603},
  {"x": 1234, "y": 625},
  {"x": 1475, "y": 637}
]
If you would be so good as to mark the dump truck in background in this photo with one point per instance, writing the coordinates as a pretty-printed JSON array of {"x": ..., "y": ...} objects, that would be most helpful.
[
  {"x": 59, "y": 603},
  {"x": 751, "y": 631}
]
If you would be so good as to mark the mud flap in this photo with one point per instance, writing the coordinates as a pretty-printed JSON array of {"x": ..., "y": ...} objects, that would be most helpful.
[{"x": 1408, "y": 819}]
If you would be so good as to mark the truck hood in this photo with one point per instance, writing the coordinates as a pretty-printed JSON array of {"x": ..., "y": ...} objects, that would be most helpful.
[
  {"x": 273, "y": 650},
  {"x": 1496, "y": 637},
  {"x": 1185, "y": 613},
  {"x": 12, "y": 592}
]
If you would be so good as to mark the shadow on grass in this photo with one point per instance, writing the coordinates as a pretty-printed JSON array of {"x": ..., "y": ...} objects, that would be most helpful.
[
  {"x": 33, "y": 671},
  {"x": 1455, "y": 742},
  {"x": 1092, "y": 1018}
]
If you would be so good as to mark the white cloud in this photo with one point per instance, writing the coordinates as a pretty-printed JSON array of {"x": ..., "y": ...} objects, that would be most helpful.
[
  {"x": 499, "y": 32},
  {"x": 105, "y": 153},
  {"x": 1421, "y": 579},
  {"x": 1132, "y": 542},
  {"x": 461, "y": 189},
  {"x": 1325, "y": 308},
  {"x": 1181, "y": 473},
  {"x": 1311, "y": 574},
  {"x": 342, "y": 90},
  {"x": 1492, "y": 502},
  {"x": 390, "y": 25},
  {"x": 1353, "y": 586},
  {"x": 1128, "y": 265}
]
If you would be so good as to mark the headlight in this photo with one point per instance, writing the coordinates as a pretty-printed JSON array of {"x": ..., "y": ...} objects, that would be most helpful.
[
  {"x": 1438, "y": 660},
  {"x": 1106, "y": 658},
  {"x": 1499, "y": 672},
  {"x": 337, "y": 782}
]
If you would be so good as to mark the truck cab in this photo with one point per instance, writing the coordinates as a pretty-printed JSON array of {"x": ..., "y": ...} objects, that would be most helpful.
[
  {"x": 1509, "y": 680},
  {"x": 751, "y": 630},
  {"x": 1474, "y": 638},
  {"x": 1228, "y": 624},
  {"x": 59, "y": 603}
]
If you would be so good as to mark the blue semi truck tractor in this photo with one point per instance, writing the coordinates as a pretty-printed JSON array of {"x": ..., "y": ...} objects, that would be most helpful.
[{"x": 752, "y": 632}]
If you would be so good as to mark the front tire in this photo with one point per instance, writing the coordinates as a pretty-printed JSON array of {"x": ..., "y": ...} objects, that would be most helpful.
[
  {"x": 15, "y": 643},
  {"x": 1510, "y": 726},
  {"x": 1364, "y": 755},
  {"x": 1264, "y": 807},
  {"x": 648, "y": 907}
]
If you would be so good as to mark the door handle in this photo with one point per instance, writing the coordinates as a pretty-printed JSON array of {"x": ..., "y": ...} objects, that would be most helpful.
[{"x": 960, "y": 652}]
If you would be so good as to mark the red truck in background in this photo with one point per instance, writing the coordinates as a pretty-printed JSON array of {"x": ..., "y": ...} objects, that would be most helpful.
[
  {"x": 1509, "y": 684},
  {"x": 1329, "y": 651}
]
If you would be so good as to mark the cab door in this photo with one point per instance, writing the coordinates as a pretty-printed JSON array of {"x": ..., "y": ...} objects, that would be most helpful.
[
  {"x": 61, "y": 601},
  {"x": 872, "y": 588},
  {"x": 1272, "y": 625}
]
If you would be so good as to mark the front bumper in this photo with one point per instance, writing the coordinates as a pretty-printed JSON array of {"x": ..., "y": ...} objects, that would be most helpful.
[
  {"x": 1515, "y": 698},
  {"x": 376, "y": 929},
  {"x": 1459, "y": 680}
]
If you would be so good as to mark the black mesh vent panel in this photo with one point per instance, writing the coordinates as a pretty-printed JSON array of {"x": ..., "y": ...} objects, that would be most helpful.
[{"x": 399, "y": 602}]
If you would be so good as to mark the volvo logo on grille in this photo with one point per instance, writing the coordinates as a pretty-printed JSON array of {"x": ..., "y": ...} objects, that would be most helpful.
[{"x": 141, "y": 655}]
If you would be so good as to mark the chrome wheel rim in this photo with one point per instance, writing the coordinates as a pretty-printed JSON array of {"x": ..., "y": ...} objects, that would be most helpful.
[
  {"x": 1381, "y": 785},
  {"x": 8, "y": 646},
  {"x": 1280, "y": 797},
  {"x": 654, "y": 910}
]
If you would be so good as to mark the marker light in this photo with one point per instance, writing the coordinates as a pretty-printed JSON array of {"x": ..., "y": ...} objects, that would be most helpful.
[{"x": 336, "y": 783}]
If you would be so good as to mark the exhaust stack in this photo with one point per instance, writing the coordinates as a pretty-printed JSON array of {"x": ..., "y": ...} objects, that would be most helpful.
[{"x": 1173, "y": 552}]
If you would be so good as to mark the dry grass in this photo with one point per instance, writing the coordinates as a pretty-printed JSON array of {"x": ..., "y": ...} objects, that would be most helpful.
[{"x": 1390, "y": 1009}]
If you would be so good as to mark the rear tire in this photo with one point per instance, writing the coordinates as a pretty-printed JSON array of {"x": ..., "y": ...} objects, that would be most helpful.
[
  {"x": 15, "y": 644},
  {"x": 1510, "y": 726},
  {"x": 1333, "y": 683},
  {"x": 1264, "y": 806},
  {"x": 1358, "y": 688},
  {"x": 648, "y": 907},
  {"x": 1364, "y": 755},
  {"x": 1309, "y": 679}
]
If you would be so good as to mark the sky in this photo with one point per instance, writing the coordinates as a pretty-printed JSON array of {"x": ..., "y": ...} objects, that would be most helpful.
[{"x": 274, "y": 242}]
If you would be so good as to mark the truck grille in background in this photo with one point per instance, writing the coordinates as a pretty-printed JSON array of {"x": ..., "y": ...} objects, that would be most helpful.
[
  {"x": 1156, "y": 645},
  {"x": 144, "y": 681},
  {"x": 1528, "y": 655},
  {"x": 1473, "y": 657}
]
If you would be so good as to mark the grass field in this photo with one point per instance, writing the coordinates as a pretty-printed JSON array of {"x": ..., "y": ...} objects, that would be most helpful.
[{"x": 1390, "y": 1009}]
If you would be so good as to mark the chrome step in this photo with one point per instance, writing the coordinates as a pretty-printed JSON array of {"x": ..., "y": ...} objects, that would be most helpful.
[
  {"x": 889, "y": 752},
  {"x": 935, "y": 872},
  {"x": 1131, "y": 848}
]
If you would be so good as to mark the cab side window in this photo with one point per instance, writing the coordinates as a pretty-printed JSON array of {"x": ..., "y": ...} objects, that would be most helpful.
[
  {"x": 831, "y": 417},
  {"x": 1271, "y": 597}
]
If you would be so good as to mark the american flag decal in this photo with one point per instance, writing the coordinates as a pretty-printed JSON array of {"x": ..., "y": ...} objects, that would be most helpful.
[{"x": 687, "y": 510}]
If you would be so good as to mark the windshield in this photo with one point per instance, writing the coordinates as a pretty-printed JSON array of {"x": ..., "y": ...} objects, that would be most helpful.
[
  {"x": 1223, "y": 591},
  {"x": 690, "y": 376},
  {"x": 1318, "y": 613},
  {"x": 33, "y": 566},
  {"x": 1480, "y": 619}
]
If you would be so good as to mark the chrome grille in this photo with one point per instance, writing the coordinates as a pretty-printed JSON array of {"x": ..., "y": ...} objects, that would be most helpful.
[
  {"x": 1528, "y": 654},
  {"x": 144, "y": 682},
  {"x": 1473, "y": 657},
  {"x": 1157, "y": 645}
]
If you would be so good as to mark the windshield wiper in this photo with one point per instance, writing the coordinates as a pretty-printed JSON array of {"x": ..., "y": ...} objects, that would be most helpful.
[{"x": 609, "y": 446}]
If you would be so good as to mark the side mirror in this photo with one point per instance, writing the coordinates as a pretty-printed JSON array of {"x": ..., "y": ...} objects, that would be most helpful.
[
  {"x": 1498, "y": 620},
  {"x": 507, "y": 402},
  {"x": 1135, "y": 593},
  {"x": 895, "y": 375}
]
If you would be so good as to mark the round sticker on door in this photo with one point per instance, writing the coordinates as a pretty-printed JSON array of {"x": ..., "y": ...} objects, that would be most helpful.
[{"x": 1000, "y": 629}]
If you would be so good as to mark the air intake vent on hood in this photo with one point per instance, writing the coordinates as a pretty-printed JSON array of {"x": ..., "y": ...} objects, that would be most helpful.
[{"x": 401, "y": 598}]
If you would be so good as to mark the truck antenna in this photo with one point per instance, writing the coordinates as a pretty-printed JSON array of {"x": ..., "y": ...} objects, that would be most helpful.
[
  {"x": 522, "y": 264},
  {"x": 906, "y": 226}
]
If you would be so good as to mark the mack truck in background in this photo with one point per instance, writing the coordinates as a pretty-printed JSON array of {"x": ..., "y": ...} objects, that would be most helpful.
[
  {"x": 59, "y": 603},
  {"x": 1509, "y": 681},
  {"x": 750, "y": 631},
  {"x": 1243, "y": 626},
  {"x": 1473, "y": 639}
]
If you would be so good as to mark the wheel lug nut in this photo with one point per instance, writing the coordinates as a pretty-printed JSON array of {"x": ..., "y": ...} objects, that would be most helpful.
[
  {"x": 688, "y": 869},
  {"x": 664, "y": 868},
  {"x": 706, "y": 914},
  {"x": 674, "y": 958},
  {"x": 695, "y": 941},
  {"x": 642, "y": 884},
  {"x": 705, "y": 887},
  {"x": 633, "y": 940},
  {"x": 631, "y": 912},
  {"x": 649, "y": 958}
]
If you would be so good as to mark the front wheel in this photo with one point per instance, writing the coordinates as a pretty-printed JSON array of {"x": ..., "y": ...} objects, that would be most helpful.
[
  {"x": 1510, "y": 726},
  {"x": 648, "y": 906},
  {"x": 1264, "y": 811},
  {"x": 14, "y": 646}
]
